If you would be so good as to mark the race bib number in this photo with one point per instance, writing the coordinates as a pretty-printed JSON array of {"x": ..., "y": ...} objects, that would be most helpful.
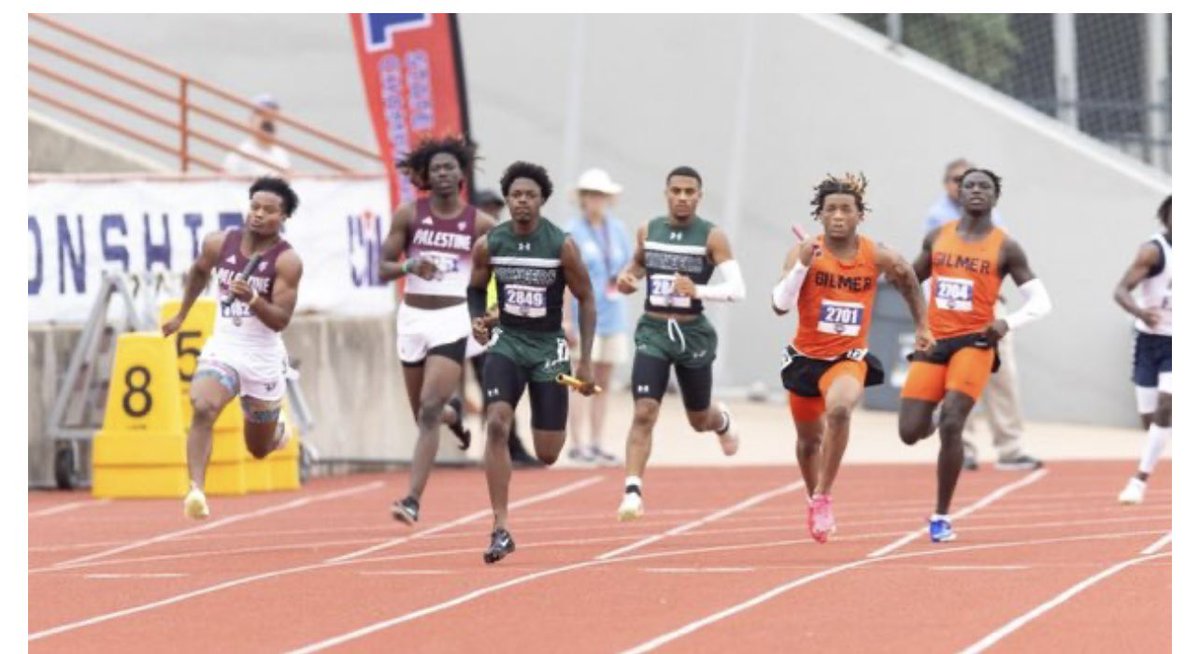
[
  {"x": 954, "y": 294},
  {"x": 525, "y": 301},
  {"x": 662, "y": 293},
  {"x": 840, "y": 318}
]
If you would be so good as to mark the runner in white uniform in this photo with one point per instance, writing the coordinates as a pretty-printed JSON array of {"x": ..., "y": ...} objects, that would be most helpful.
[
  {"x": 436, "y": 234},
  {"x": 1145, "y": 292},
  {"x": 258, "y": 275}
]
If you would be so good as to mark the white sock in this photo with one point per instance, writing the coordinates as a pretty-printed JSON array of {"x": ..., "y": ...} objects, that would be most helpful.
[
  {"x": 633, "y": 481},
  {"x": 1155, "y": 444},
  {"x": 939, "y": 516}
]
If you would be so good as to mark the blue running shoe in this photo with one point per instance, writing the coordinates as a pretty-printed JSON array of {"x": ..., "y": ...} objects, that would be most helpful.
[{"x": 940, "y": 530}]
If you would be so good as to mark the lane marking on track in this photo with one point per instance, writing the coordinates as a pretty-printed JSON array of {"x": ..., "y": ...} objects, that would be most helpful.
[
  {"x": 243, "y": 581},
  {"x": 1158, "y": 544},
  {"x": 598, "y": 560},
  {"x": 696, "y": 625},
  {"x": 696, "y": 570},
  {"x": 471, "y": 517},
  {"x": 70, "y": 506},
  {"x": 974, "y": 568},
  {"x": 744, "y": 504},
  {"x": 302, "y": 501},
  {"x": 994, "y": 637},
  {"x": 979, "y": 504},
  {"x": 134, "y": 575}
]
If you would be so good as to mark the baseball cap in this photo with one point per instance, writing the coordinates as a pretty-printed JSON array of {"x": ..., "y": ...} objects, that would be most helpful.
[
  {"x": 598, "y": 180},
  {"x": 266, "y": 101}
]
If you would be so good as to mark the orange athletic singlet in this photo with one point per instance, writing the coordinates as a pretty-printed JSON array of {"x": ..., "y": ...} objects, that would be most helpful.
[
  {"x": 835, "y": 303},
  {"x": 964, "y": 283},
  {"x": 835, "y": 316},
  {"x": 964, "y": 286}
]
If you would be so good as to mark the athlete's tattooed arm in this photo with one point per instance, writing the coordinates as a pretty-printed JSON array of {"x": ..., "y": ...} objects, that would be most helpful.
[
  {"x": 627, "y": 281},
  {"x": 197, "y": 279},
  {"x": 904, "y": 278}
]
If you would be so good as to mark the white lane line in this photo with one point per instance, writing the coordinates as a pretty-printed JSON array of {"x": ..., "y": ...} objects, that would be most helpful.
[
  {"x": 70, "y": 506},
  {"x": 982, "y": 502},
  {"x": 134, "y": 575},
  {"x": 997, "y": 635},
  {"x": 220, "y": 523},
  {"x": 1158, "y": 544},
  {"x": 483, "y": 513},
  {"x": 796, "y": 583},
  {"x": 747, "y": 503},
  {"x": 242, "y": 581}
]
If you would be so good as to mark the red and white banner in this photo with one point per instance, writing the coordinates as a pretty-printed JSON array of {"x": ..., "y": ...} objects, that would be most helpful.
[{"x": 412, "y": 72}]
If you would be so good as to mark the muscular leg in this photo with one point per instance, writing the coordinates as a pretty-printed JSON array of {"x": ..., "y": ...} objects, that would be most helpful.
[
  {"x": 441, "y": 377},
  {"x": 841, "y": 398},
  {"x": 208, "y": 397},
  {"x": 496, "y": 461},
  {"x": 1159, "y": 432},
  {"x": 261, "y": 425},
  {"x": 916, "y": 420},
  {"x": 638, "y": 444},
  {"x": 955, "y": 408},
  {"x": 808, "y": 450},
  {"x": 579, "y": 406}
]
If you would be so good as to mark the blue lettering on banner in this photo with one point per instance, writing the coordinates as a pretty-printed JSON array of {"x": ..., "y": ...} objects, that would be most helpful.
[
  {"x": 77, "y": 259},
  {"x": 379, "y": 28},
  {"x": 35, "y": 232},
  {"x": 160, "y": 253},
  {"x": 193, "y": 221},
  {"x": 366, "y": 241},
  {"x": 114, "y": 222},
  {"x": 420, "y": 90},
  {"x": 227, "y": 219}
]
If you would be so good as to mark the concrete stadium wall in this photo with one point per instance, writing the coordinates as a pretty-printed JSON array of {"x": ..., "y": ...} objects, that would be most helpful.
[
  {"x": 58, "y": 148},
  {"x": 821, "y": 95}
]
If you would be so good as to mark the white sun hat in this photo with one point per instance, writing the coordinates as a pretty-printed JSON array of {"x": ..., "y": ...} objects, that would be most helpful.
[{"x": 597, "y": 180}]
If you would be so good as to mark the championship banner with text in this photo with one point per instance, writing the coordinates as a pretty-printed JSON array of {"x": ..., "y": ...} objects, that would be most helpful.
[
  {"x": 412, "y": 71},
  {"x": 80, "y": 229}
]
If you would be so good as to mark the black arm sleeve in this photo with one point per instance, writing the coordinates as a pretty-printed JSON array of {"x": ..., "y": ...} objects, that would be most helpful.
[{"x": 476, "y": 301}]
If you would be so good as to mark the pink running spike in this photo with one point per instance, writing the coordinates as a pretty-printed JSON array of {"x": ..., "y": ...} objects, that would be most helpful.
[{"x": 821, "y": 524}]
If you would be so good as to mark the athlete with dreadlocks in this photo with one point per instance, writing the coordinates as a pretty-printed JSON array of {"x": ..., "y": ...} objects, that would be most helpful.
[
  {"x": 436, "y": 234},
  {"x": 831, "y": 280},
  {"x": 965, "y": 260}
]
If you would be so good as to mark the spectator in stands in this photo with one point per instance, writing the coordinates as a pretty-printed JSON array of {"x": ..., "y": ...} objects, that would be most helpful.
[
  {"x": 605, "y": 247},
  {"x": 999, "y": 400},
  {"x": 261, "y": 144}
]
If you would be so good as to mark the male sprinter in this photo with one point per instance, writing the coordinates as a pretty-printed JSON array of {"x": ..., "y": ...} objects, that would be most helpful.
[
  {"x": 677, "y": 255},
  {"x": 1149, "y": 277},
  {"x": 432, "y": 324},
  {"x": 533, "y": 261},
  {"x": 831, "y": 280},
  {"x": 245, "y": 355},
  {"x": 966, "y": 261}
]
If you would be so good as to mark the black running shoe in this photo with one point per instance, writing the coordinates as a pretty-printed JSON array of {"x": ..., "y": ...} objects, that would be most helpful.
[
  {"x": 502, "y": 545},
  {"x": 406, "y": 510},
  {"x": 460, "y": 430}
]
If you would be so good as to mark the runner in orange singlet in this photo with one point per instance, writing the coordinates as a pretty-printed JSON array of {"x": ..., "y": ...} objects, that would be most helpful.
[
  {"x": 965, "y": 261},
  {"x": 831, "y": 280}
]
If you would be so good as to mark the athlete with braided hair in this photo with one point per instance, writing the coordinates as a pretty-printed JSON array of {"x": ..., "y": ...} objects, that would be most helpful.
[{"x": 831, "y": 280}]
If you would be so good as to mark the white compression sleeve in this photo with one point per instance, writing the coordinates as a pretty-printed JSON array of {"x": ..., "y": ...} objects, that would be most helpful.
[
  {"x": 1037, "y": 304},
  {"x": 785, "y": 293},
  {"x": 731, "y": 288}
]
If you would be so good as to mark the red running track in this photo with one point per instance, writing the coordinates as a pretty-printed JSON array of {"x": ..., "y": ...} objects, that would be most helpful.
[{"x": 720, "y": 561}]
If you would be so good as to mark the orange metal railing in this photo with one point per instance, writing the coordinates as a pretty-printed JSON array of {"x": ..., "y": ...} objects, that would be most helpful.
[{"x": 184, "y": 98}]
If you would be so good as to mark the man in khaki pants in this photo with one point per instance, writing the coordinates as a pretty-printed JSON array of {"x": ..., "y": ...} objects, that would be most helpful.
[{"x": 999, "y": 401}]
